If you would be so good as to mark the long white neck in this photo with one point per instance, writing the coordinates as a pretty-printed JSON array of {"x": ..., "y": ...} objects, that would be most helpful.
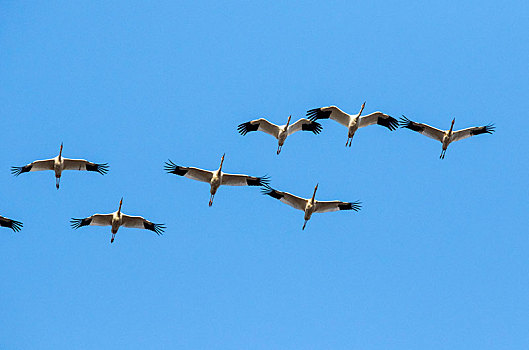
[{"x": 314, "y": 194}]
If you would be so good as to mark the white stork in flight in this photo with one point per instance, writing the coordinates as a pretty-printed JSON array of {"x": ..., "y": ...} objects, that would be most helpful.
[
  {"x": 215, "y": 178},
  {"x": 310, "y": 206},
  {"x": 280, "y": 132},
  {"x": 117, "y": 219},
  {"x": 353, "y": 122},
  {"x": 58, "y": 164},
  {"x": 448, "y": 136},
  {"x": 12, "y": 224}
]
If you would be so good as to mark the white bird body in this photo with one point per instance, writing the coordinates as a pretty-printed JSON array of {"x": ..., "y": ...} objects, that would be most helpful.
[
  {"x": 353, "y": 122},
  {"x": 311, "y": 205},
  {"x": 215, "y": 178},
  {"x": 446, "y": 137},
  {"x": 280, "y": 132},
  {"x": 58, "y": 165},
  {"x": 117, "y": 219}
]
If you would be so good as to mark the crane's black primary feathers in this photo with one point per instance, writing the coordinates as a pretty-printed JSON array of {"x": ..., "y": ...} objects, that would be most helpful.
[
  {"x": 269, "y": 191},
  {"x": 12, "y": 224},
  {"x": 100, "y": 168},
  {"x": 389, "y": 122},
  {"x": 258, "y": 181},
  {"x": 317, "y": 113},
  {"x": 487, "y": 129},
  {"x": 17, "y": 170},
  {"x": 76, "y": 223},
  {"x": 313, "y": 126},
  {"x": 247, "y": 127},
  {"x": 172, "y": 168},
  {"x": 157, "y": 228},
  {"x": 406, "y": 123},
  {"x": 356, "y": 206}
]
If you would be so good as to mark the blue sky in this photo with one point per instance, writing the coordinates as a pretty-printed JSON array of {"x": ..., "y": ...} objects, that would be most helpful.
[{"x": 437, "y": 258}]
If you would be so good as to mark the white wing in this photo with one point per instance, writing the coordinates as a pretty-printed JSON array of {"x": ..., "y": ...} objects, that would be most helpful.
[
  {"x": 477, "y": 130},
  {"x": 139, "y": 222},
  {"x": 46, "y": 164},
  {"x": 424, "y": 129},
  {"x": 327, "y": 206},
  {"x": 380, "y": 119},
  {"x": 189, "y": 172},
  {"x": 81, "y": 164},
  {"x": 259, "y": 125},
  {"x": 287, "y": 198},
  {"x": 305, "y": 125},
  {"x": 244, "y": 180},
  {"x": 332, "y": 112},
  {"x": 95, "y": 220}
]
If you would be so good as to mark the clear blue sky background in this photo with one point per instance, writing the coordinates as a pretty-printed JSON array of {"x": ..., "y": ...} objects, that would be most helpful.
[{"x": 437, "y": 258}]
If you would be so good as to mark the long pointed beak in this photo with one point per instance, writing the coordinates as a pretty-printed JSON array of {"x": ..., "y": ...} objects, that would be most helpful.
[
  {"x": 362, "y": 108},
  {"x": 60, "y": 152},
  {"x": 288, "y": 121}
]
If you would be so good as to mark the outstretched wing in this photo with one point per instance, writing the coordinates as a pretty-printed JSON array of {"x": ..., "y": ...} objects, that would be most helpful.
[
  {"x": 424, "y": 129},
  {"x": 327, "y": 206},
  {"x": 259, "y": 125},
  {"x": 477, "y": 130},
  {"x": 244, "y": 180},
  {"x": 12, "y": 224},
  {"x": 81, "y": 164},
  {"x": 304, "y": 125},
  {"x": 46, "y": 164},
  {"x": 96, "y": 220},
  {"x": 189, "y": 172},
  {"x": 380, "y": 119},
  {"x": 285, "y": 197},
  {"x": 332, "y": 112},
  {"x": 139, "y": 222}
]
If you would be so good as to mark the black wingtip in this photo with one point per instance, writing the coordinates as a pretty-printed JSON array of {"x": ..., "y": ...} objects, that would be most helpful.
[
  {"x": 75, "y": 223},
  {"x": 490, "y": 128},
  {"x": 99, "y": 168},
  {"x": 404, "y": 122},
  {"x": 388, "y": 122},
  {"x": 16, "y": 226},
  {"x": 356, "y": 206},
  {"x": 269, "y": 191},
  {"x": 172, "y": 168},
  {"x": 317, "y": 113},
  {"x": 313, "y": 126},
  {"x": 17, "y": 170},
  {"x": 258, "y": 181}
]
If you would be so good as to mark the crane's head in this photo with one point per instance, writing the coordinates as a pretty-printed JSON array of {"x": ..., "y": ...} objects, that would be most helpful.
[
  {"x": 288, "y": 121},
  {"x": 452, "y": 125},
  {"x": 120, "y": 203},
  {"x": 60, "y": 151}
]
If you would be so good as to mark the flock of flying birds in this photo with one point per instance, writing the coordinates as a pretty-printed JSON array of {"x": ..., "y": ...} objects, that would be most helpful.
[{"x": 216, "y": 178}]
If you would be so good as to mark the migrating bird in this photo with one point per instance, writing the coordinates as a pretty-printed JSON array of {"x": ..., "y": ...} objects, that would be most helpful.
[
  {"x": 353, "y": 122},
  {"x": 280, "y": 132},
  {"x": 310, "y": 206},
  {"x": 448, "y": 136},
  {"x": 117, "y": 219},
  {"x": 12, "y": 224},
  {"x": 58, "y": 164},
  {"x": 215, "y": 178}
]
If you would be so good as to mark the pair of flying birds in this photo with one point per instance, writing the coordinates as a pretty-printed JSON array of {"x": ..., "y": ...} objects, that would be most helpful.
[{"x": 355, "y": 121}]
